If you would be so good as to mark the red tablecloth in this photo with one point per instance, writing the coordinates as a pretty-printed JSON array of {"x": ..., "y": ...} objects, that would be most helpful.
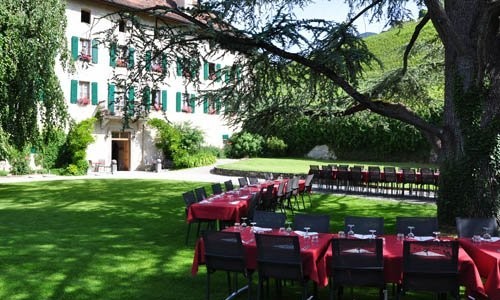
[
  {"x": 230, "y": 206},
  {"x": 393, "y": 266},
  {"x": 312, "y": 257},
  {"x": 486, "y": 256}
]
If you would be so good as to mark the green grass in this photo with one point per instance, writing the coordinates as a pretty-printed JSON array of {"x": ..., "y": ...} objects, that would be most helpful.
[
  {"x": 123, "y": 239},
  {"x": 301, "y": 165}
]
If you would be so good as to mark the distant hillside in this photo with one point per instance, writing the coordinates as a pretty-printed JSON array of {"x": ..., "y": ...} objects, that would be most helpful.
[{"x": 366, "y": 34}]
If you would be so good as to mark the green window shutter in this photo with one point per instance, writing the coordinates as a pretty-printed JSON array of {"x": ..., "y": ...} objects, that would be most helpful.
[
  {"x": 227, "y": 75},
  {"x": 164, "y": 63},
  {"x": 217, "y": 105},
  {"x": 205, "y": 104},
  {"x": 164, "y": 100},
  {"x": 192, "y": 102},
  {"x": 148, "y": 60},
  {"x": 94, "y": 94},
  {"x": 206, "y": 70},
  {"x": 193, "y": 67},
  {"x": 131, "y": 54},
  {"x": 225, "y": 137},
  {"x": 112, "y": 55},
  {"x": 238, "y": 73},
  {"x": 146, "y": 98},
  {"x": 95, "y": 51},
  {"x": 74, "y": 47},
  {"x": 178, "y": 102},
  {"x": 217, "y": 72},
  {"x": 74, "y": 92},
  {"x": 111, "y": 98},
  {"x": 131, "y": 98},
  {"x": 179, "y": 67}
]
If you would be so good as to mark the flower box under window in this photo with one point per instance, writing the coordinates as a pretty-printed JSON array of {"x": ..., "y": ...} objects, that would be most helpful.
[
  {"x": 83, "y": 101},
  {"x": 187, "y": 109},
  {"x": 85, "y": 57},
  {"x": 121, "y": 62},
  {"x": 156, "y": 68}
]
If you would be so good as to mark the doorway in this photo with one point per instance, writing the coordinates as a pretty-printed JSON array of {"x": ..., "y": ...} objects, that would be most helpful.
[{"x": 120, "y": 149}]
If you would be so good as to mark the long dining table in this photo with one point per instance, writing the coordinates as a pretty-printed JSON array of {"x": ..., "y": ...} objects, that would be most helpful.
[
  {"x": 393, "y": 266},
  {"x": 311, "y": 251},
  {"x": 486, "y": 255}
]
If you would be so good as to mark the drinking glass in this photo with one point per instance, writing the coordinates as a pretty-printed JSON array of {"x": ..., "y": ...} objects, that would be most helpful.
[
  {"x": 307, "y": 238},
  {"x": 400, "y": 237},
  {"x": 341, "y": 234},
  {"x": 237, "y": 226},
  {"x": 372, "y": 231},
  {"x": 350, "y": 233},
  {"x": 410, "y": 234},
  {"x": 437, "y": 234},
  {"x": 244, "y": 221},
  {"x": 289, "y": 227},
  {"x": 486, "y": 234}
]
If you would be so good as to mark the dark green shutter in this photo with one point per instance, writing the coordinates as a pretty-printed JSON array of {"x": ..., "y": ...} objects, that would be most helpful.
[
  {"x": 94, "y": 94},
  {"x": 148, "y": 60},
  {"x": 74, "y": 92},
  {"x": 95, "y": 52},
  {"x": 179, "y": 67},
  {"x": 111, "y": 98},
  {"x": 146, "y": 98},
  {"x": 217, "y": 72},
  {"x": 164, "y": 100},
  {"x": 238, "y": 73},
  {"x": 227, "y": 75},
  {"x": 205, "y": 104},
  {"x": 112, "y": 55},
  {"x": 131, "y": 54},
  {"x": 131, "y": 98},
  {"x": 225, "y": 137},
  {"x": 192, "y": 102},
  {"x": 217, "y": 105},
  {"x": 178, "y": 102},
  {"x": 74, "y": 47},
  {"x": 206, "y": 70},
  {"x": 163, "y": 63}
]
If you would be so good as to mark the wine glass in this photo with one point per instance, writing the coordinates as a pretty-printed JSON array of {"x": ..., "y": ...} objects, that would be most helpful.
[
  {"x": 372, "y": 231},
  {"x": 307, "y": 230},
  {"x": 244, "y": 221},
  {"x": 307, "y": 238},
  {"x": 253, "y": 226},
  {"x": 486, "y": 234},
  {"x": 436, "y": 233},
  {"x": 411, "y": 235},
  {"x": 350, "y": 233},
  {"x": 288, "y": 227}
]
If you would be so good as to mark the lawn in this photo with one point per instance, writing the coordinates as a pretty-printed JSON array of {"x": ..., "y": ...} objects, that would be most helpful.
[
  {"x": 123, "y": 239},
  {"x": 301, "y": 165}
]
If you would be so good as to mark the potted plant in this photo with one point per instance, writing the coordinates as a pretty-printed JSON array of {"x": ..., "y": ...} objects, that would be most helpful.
[
  {"x": 187, "y": 109},
  {"x": 157, "y": 68},
  {"x": 85, "y": 57},
  {"x": 84, "y": 101}
]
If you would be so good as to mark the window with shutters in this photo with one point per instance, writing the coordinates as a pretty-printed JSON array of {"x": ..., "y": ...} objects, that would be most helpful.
[
  {"x": 85, "y": 16},
  {"x": 119, "y": 97},
  {"x": 83, "y": 92},
  {"x": 122, "y": 26},
  {"x": 156, "y": 62},
  {"x": 211, "y": 71}
]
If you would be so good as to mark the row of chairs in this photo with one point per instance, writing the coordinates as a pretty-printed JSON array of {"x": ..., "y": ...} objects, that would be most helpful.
[{"x": 350, "y": 179}]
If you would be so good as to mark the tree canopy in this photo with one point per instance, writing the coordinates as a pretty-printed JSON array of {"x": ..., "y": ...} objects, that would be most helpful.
[
  {"x": 31, "y": 39},
  {"x": 292, "y": 67}
]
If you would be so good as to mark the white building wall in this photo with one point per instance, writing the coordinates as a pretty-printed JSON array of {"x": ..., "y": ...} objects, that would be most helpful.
[{"x": 142, "y": 149}]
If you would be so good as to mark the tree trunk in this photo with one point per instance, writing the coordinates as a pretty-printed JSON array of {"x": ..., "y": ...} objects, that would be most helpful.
[{"x": 470, "y": 159}]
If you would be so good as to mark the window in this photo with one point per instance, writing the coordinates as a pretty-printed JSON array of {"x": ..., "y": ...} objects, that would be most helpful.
[
  {"x": 210, "y": 71},
  {"x": 84, "y": 93},
  {"x": 156, "y": 96},
  {"x": 156, "y": 63},
  {"x": 122, "y": 56},
  {"x": 85, "y": 50},
  {"x": 119, "y": 97},
  {"x": 122, "y": 26},
  {"x": 85, "y": 16}
]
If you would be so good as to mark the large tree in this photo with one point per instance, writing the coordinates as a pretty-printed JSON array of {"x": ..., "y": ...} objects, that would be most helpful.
[
  {"x": 294, "y": 67},
  {"x": 31, "y": 40}
]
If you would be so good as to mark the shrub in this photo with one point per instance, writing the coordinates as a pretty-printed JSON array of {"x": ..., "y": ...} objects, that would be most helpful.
[
  {"x": 20, "y": 162},
  {"x": 78, "y": 139},
  {"x": 216, "y": 151},
  {"x": 50, "y": 148},
  {"x": 275, "y": 147},
  {"x": 244, "y": 144},
  {"x": 191, "y": 137},
  {"x": 194, "y": 160},
  {"x": 3, "y": 173},
  {"x": 168, "y": 138}
]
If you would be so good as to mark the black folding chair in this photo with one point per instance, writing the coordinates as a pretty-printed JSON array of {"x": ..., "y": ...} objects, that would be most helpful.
[
  {"x": 216, "y": 188},
  {"x": 190, "y": 199},
  {"x": 363, "y": 225},
  {"x": 357, "y": 262},
  {"x": 430, "y": 266},
  {"x": 242, "y": 181},
  {"x": 423, "y": 226},
  {"x": 468, "y": 227},
  {"x": 269, "y": 219},
  {"x": 317, "y": 223},
  {"x": 224, "y": 251},
  {"x": 228, "y": 185},
  {"x": 201, "y": 194},
  {"x": 278, "y": 257}
]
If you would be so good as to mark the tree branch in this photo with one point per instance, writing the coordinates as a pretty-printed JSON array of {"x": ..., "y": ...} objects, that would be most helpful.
[
  {"x": 444, "y": 27},
  {"x": 413, "y": 39},
  {"x": 362, "y": 12}
]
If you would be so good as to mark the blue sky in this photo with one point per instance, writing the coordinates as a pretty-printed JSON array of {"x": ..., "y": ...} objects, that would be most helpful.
[{"x": 337, "y": 10}]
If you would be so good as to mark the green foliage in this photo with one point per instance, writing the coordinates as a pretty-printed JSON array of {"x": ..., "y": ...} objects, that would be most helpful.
[
  {"x": 244, "y": 144},
  {"x": 181, "y": 144},
  {"x": 3, "y": 173},
  {"x": 78, "y": 139},
  {"x": 50, "y": 148},
  {"x": 191, "y": 137},
  {"x": 6, "y": 149},
  {"x": 32, "y": 36},
  {"x": 19, "y": 161},
  {"x": 275, "y": 147},
  {"x": 216, "y": 151}
]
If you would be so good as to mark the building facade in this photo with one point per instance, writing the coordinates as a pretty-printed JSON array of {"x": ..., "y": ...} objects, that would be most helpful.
[{"x": 90, "y": 90}]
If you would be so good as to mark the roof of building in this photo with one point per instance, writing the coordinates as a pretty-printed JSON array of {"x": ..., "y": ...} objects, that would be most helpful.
[{"x": 139, "y": 4}]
